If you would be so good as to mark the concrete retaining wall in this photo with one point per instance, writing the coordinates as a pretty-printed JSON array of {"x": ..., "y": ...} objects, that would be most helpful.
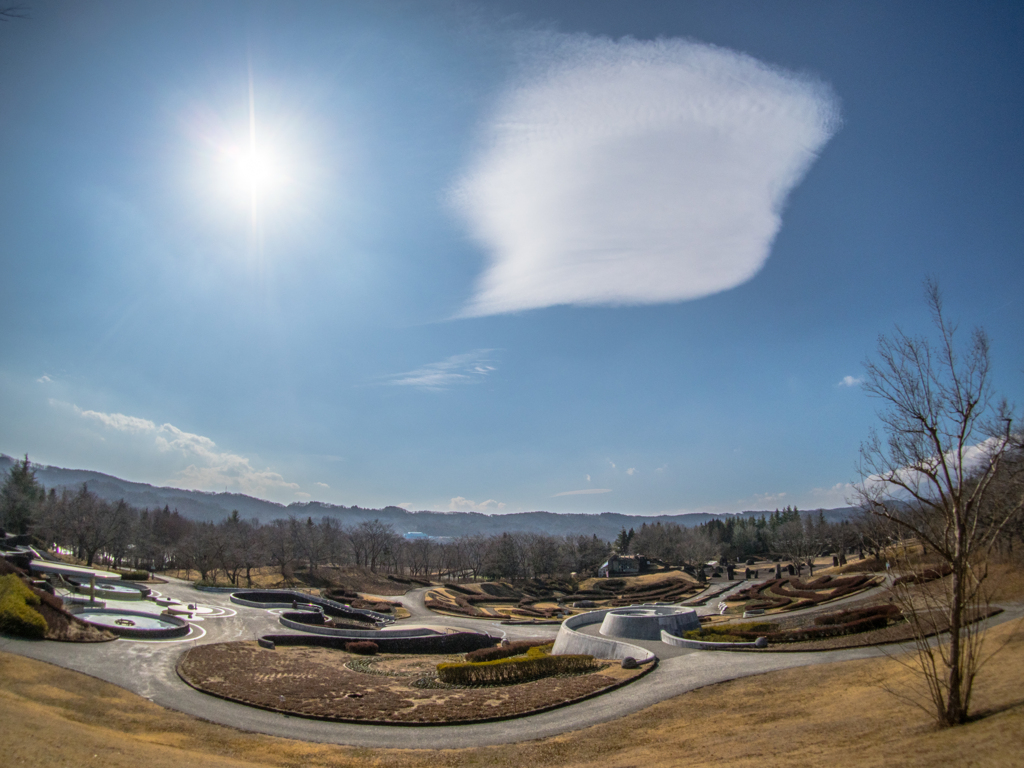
[
  {"x": 646, "y": 622},
  {"x": 570, "y": 641},
  {"x": 705, "y": 645},
  {"x": 356, "y": 634},
  {"x": 300, "y": 597}
]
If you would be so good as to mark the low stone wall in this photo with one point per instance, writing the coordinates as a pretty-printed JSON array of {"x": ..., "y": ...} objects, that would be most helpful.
[
  {"x": 239, "y": 597},
  {"x": 706, "y": 645},
  {"x": 570, "y": 641},
  {"x": 179, "y": 627}
]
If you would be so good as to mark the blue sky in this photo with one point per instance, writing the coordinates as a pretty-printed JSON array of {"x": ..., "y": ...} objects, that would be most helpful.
[{"x": 503, "y": 256}]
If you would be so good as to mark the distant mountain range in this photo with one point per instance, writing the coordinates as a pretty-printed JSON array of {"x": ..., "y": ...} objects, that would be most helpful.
[{"x": 200, "y": 505}]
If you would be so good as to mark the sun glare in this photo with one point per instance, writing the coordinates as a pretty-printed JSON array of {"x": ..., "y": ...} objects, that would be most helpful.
[{"x": 254, "y": 172}]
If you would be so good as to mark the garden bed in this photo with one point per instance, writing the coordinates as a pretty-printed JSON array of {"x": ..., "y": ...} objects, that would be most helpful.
[{"x": 396, "y": 689}]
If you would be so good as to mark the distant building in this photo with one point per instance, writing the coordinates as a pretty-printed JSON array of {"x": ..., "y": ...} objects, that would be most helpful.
[{"x": 622, "y": 565}]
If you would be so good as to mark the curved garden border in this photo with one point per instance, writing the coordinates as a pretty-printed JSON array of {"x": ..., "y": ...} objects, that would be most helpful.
[
  {"x": 405, "y": 723},
  {"x": 300, "y": 597},
  {"x": 180, "y": 628},
  {"x": 352, "y": 634},
  {"x": 707, "y": 645}
]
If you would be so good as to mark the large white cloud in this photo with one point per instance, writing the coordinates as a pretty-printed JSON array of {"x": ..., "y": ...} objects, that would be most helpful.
[
  {"x": 636, "y": 172},
  {"x": 208, "y": 468}
]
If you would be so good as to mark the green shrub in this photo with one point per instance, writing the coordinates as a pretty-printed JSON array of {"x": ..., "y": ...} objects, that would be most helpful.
[
  {"x": 16, "y": 614},
  {"x": 11, "y": 584},
  {"x": 516, "y": 648},
  {"x": 134, "y": 575},
  {"x": 509, "y": 671},
  {"x": 715, "y": 636}
]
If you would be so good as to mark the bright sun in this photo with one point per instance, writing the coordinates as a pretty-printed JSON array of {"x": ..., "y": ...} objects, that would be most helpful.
[{"x": 254, "y": 172}]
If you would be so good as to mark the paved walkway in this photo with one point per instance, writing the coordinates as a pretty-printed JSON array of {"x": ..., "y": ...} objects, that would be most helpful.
[{"x": 147, "y": 668}]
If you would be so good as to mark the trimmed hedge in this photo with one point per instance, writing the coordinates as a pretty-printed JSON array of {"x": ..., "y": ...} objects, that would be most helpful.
[
  {"x": 456, "y": 642},
  {"x": 461, "y": 589},
  {"x": 891, "y": 612},
  {"x": 339, "y": 594},
  {"x": 17, "y": 617},
  {"x": 535, "y": 666},
  {"x": 791, "y": 592},
  {"x": 134, "y": 575},
  {"x": 516, "y": 648},
  {"x": 439, "y": 605},
  {"x": 409, "y": 580},
  {"x": 833, "y": 625},
  {"x": 733, "y": 633},
  {"x": 362, "y": 647}
]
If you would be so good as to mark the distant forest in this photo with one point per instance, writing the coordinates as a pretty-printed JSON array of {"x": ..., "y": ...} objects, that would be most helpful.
[
  {"x": 213, "y": 507},
  {"x": 123, "y": 535}
]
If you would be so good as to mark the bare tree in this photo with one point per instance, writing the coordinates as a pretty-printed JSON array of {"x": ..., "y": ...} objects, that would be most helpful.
[
  {"x": 695, "y": 548},
  {"x": 371, "y": 542},
  {"x": 930, "y": 478}
]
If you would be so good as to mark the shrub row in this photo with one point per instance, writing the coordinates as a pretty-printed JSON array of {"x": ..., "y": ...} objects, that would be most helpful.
[
  {"x": 475, "y": 598},
  {"x": 310, "y": 618},
  {"x": 17, "y": 617},
  {"x": 134, "y": 575},
  {"x": 456, "y": 642},
  {"x": 862, "y": 620},
  {"x": 408, "y": 580},
  {"x": 515, "y": 648},
  {"x": 499, "y": 589},
  {"x": 536, "y": 613},
  {"x": 366, "y": 605},
  {"x": 513, "y": 671},
  {"x": 789, "y": 592},
  {"x": 339, "y": 593},
  {"x": 460, "y": 589},
  {"x": 440, "y": 605},
  {"x": 891, "y": 612}
]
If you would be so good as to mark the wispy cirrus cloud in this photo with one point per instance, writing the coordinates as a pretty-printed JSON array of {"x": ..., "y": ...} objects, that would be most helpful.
[
  {"x": 636, "y": 172},
  {"x": 208, "y": 468},
  {"x": 583, "y": 492},
  {"x": 470, "y": 368}
]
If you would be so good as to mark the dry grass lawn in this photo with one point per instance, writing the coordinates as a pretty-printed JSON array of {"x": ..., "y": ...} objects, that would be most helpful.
[{"x": 836, "y": 714}]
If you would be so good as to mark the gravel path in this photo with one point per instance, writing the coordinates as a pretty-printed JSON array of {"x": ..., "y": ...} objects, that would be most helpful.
[{"x": 147, "y": 668}]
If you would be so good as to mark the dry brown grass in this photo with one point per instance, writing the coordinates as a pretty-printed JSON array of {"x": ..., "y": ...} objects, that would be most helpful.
[
  {"x": 354, "y": 578},
  {"x": 830, "y": 714}
]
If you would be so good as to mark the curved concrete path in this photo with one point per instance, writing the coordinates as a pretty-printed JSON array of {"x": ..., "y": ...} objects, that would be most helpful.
[{"x": 147, "y": 668}]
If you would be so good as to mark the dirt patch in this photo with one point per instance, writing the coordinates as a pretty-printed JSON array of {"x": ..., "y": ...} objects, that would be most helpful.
[
  {"x": 355, "y": 578},
  {"x": 334, "y": 685}
]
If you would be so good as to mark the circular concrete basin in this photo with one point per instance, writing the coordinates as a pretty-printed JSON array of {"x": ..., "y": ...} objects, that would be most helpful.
[{"x": 645, "y": 622}]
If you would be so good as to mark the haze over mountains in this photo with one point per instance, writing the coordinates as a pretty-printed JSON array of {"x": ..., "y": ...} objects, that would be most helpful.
[{"x": 202, "y": 505}]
